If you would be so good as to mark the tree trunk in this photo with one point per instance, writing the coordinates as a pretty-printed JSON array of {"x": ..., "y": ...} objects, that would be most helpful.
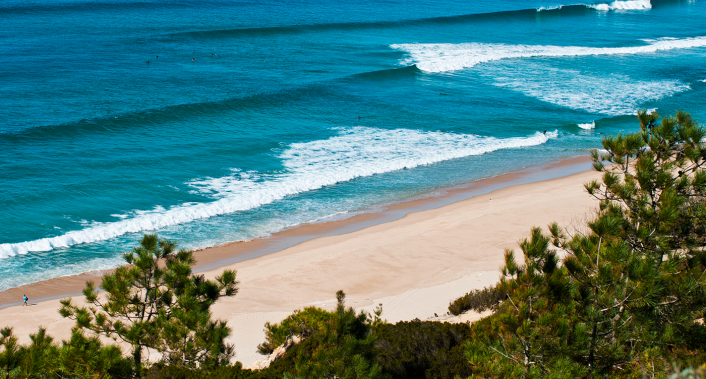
[{"x": 137, "y": 356}]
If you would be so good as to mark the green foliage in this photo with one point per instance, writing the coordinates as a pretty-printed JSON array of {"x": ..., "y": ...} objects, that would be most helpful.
[
  {"x": 155, "y": 301},
  {"x": 422, "y": 349},
  {"x": 477, "y": 300},
  {"x": 340, "y": 344},
  {"x": 301, "y": 322},
  {"x": 624, "y": 300},
  {"x": 79, "y": 357},
  {"x": 160, "y": 371}
]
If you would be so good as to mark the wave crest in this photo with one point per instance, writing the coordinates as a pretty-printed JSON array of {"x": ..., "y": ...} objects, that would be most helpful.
[
  {"x": 355, "y": 152},
  {"x": 444, "y": 57},
  {"x": 622, "y": 5}
]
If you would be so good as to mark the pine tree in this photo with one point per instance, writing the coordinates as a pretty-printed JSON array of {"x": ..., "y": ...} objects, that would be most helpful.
[
  {"x": 156, "y": 302},
  {"x": 630, "y": 290}
]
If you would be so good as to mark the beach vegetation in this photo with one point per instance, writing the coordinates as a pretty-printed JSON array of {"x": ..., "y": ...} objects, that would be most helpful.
[
  {"x": 422, "y": 349},
  {"x": 78, "y": 357},
  {"x": 301, "y": 323},
  {"x": 628, "y": 297},
  {"x": 487, "y": 298},
  {"x": 156, "y": 302},
  {"x": 340, "y": 343}
]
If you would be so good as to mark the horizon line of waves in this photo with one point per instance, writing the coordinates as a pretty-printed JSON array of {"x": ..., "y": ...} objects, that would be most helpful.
[
  {"x": 25, "y": 7},
  {"x": 356, "y": 152},
  {"x": 444, "y": 57},
  {"x": 180, "y": 112},
  {"x": 442, "y": 20},
  {"x": 142, "y": 118}
]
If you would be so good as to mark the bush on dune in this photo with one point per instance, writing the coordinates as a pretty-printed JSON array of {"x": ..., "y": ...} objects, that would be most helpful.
[
  {"x": 339, "y": 344},
  {"x": 422, "y": 349},
  {"x": 477, "y": 300},
  {"x": 300, "y": 323}
]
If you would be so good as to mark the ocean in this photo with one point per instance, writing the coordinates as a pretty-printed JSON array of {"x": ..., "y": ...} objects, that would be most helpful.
[{"x": 213, "y": 121}]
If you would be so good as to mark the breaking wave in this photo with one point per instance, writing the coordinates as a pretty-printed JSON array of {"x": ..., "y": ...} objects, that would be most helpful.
[
  {"x": 445, "y": 57},
  {"x": 622, "y": 5},
  {"x": 354, "y": 152}
]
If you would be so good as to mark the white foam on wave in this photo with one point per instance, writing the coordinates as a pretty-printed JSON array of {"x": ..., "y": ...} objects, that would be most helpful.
[
  {"x": 355, "y": 152},
  {"x": 445, "y": 57},
  {"x": 612, "y": 95},
  {"x": 552, "y": 8},
  {"x": 622, "y": 5},
  {"x": 588, "y": 126},
  {"x": 616, "y": 5}
]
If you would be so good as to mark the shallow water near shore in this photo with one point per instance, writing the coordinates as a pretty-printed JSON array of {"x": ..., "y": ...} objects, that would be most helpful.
[{"x": 210, "y": 122}]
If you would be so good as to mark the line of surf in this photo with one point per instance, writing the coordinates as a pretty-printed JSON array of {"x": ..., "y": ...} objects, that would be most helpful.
[
  {"x": 355, "y": 152},
  {"x": 615, "y": 5},
  {"x": 445, "y": 57},
  {"x": 461, "y": 18}
]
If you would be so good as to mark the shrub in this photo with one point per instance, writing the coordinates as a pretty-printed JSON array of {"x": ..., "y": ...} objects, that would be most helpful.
[
  {"x": 301, "y": 322},
  {"x": 340, "y": 344},
  {"x": 477, "y": 300},
  {"x": 422, "y": 349}
]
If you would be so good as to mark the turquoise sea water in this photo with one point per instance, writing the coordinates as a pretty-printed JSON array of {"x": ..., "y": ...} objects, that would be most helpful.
[{"x": 214, "y": 121}]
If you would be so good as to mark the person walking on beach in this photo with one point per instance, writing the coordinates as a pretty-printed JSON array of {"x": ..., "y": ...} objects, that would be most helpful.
[{"x": 25, "y": 298}]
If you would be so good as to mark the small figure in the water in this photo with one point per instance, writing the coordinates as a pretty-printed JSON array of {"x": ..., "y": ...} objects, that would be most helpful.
[
  {"x": 544, "y": 132},
  {"x": 442, "y": 94},
  {"x": 192, "y": 59},
  {"x": 148, "y": 62},
  {"x": 156, "y": 56},
  {"x": 358, "y": 117}
]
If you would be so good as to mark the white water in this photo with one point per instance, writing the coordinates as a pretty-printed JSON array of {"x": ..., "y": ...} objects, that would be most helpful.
[
  {"x": 445, "y": 57},
  {"x": 616, "y": 5},
  {"x": 588, "y": 126},
  {"x": 622, "y": 5},
  {"x": 610, "y": 95},
  {"x": 355, "y": 152}
]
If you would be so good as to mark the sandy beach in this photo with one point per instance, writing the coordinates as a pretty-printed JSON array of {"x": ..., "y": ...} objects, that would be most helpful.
[{"x": 414, "y": 258}]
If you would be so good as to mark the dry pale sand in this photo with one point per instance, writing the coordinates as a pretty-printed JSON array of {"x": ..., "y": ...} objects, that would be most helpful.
[{"x": 414, "y": 265}]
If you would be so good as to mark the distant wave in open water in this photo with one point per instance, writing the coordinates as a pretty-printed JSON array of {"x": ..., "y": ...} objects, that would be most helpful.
[{"x": 218, "y": 121}]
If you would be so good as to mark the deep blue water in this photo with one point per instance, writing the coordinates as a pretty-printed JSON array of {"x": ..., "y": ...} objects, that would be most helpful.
[{"x": 215, "y": 121}]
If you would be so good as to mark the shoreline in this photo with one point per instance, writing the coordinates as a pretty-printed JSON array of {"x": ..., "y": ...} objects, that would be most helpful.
[
  {"x": 219, "y": 256},
  {"x": 413, "y": 265}
]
